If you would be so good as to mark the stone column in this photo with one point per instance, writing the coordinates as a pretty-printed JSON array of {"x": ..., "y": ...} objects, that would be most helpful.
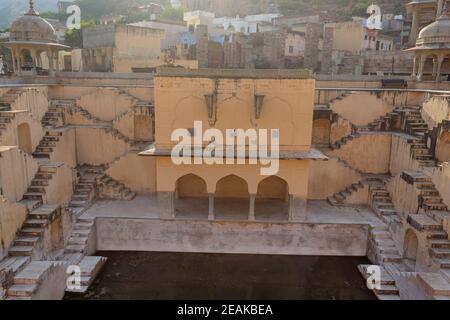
[
  {"x": 421, "y": 67},
  {"x": 166, "y": 205},
  {"x": 251, "y": 214},
  {"x": 19, "y": 61},
  {"x": 440, "y": 60},
  {"x": 297, "y": 209},
  {"x": 14, "y": 59},
  {"x": 435, "y": 63},
  {"x": 414, "y": 28},
  {"x": 414, "y": 73},
  {"x": 50, "y": 62},
  {"x": 57, "y": 60},
  {"x": 211, "y": 215},
  {"x": 34, "y": 59}
]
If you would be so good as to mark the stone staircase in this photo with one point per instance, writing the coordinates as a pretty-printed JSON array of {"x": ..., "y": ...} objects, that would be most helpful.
[
  {"x": 90, "y": 116},
  {"x": 79, "y": 237},
  {"x": 339, "y": 199},
  {"x": 47, "y": 144},
  {"x": 112, "y": 189},
  {"x": 380, "y": 201},
  {"x": 37, "y": 189},
  {"x": 408, "y": 119},
  {"x": 90, "y": 267},
  {"x": 54, "y": 117},
  {"x": 33, "y": 229},
  {"x": 429, "y": 197},
  {"x": 85, "y": 189},
  {"x": 26, "y": 283},
  {"x": 6, "y": 118},
  {"x": 388, "y": 289},
  {"x": 9, "y": 97},
  {"x": 381, "y": 246},
  {"x": 438, "y": 239}
]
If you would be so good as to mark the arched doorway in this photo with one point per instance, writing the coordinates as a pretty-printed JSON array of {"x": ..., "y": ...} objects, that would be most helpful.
[
  {"x": 272, "y": 200},
  {"x": 191, "y": 197},
  {"x": 410, "y": 246},
  {"x": 231, "y": 200},
  {"x": 24, "y": 138}
]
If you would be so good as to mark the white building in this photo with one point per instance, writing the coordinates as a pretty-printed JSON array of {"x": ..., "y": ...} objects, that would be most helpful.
[{"x": 248, "y": 24}]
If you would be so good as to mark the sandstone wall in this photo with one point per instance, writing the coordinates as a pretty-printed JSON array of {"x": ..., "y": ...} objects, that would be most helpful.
[
  {"x": 17, "y": 169},
  {"x": 12, "y": 217},
  {"x": 96, "y": 146},
  {"x": 400, "y": 156},
  {"x": 106, "y": 103},
  {"x": 65, "y": 150},
  {"x": 337, "y": 175},
  {"x": 136, "y": 172},
  {"x": 368, "y": 153},
  {"x": 10, "y": 136},
  {"x": 361, "y": 108}
]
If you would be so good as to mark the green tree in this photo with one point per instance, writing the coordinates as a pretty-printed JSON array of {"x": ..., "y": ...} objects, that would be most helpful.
[
  {"x": 74, "y": 37},
  {"x": 173, "y": 14}
]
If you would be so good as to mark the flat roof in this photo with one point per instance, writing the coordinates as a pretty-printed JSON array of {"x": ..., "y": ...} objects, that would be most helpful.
[{"x": 234, "y": 73}]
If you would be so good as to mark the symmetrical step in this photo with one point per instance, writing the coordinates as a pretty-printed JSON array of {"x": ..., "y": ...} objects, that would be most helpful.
[
  {"x": 344, "y": 140},
  {"x": 6, "y": 117},
  {"x": 9, "y": 98},
  {"x": 79, "y": 236},
  {"x": 33, "y": 229},
  {"x": 382, "y": 247},
  {"x": 429, "y": 197},
  {"x": 380, "y": 200},
  {"x": 47, "y": 144},
  {"x": 387, "y": 289},
  {"x": 26, "y": 282},
  {"x": 85, "y": 189},
  {"x": 112, "y": 189},
  {"x": 53, "y": 117},
  {"x": 90, "y": 267},
  {"x": 41, "y": 180},
  {"x": 339, "y": 199}
]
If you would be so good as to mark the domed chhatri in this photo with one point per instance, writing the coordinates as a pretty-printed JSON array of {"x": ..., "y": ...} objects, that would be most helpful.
[
  {"x": 32, "y": 40},
  {"x": 32, "y": 27},
  {"x": 433, "y": 43}
]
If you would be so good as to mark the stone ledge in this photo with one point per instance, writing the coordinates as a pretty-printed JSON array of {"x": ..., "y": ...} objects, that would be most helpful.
[{"x": 235, "y": 73}]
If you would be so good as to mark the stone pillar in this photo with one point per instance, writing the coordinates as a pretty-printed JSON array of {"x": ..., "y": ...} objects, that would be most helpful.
[
  {"x": 14, "y": 60},
  {"x": 440, "y": 60},
  {"x": 414, "y": 28},
  {"x": 34, "y": 59},
  {"x": 435, "y": 65},
  {"x": 57, "y": 61},
  {"x": 251, "y": 214},
  {"x": 297, "y": 209},
  {"x": 51, "y": 69},
  {"x": 166, "y": 205},
  {"x": 19, "y": 62},
  {"x": 211, "y": 215},
  {"x": 414, "y": 73},
  {"x": 421, "y": 67}
]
